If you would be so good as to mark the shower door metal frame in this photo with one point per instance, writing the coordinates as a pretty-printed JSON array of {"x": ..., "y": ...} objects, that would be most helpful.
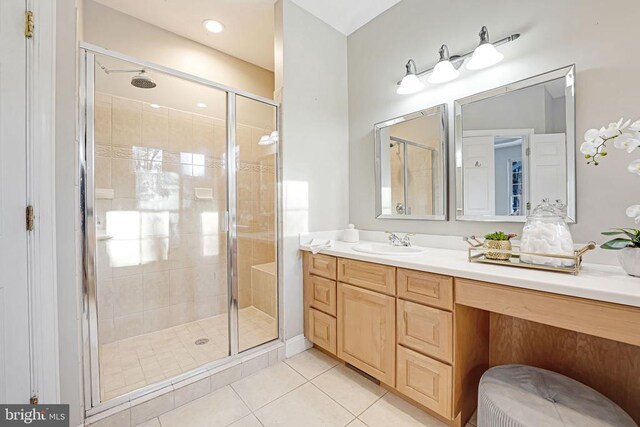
[{"x": 91, "y": 375}]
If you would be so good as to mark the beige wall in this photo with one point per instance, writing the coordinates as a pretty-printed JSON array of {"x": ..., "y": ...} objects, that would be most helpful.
[
  {"x": 597, "y": 36},
  {"x": 122, "y": 33}
]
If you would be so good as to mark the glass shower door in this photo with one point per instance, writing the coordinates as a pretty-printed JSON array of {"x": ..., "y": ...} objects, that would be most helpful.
[
  {"x": 257, "y": 244},
  {"x": 159, "y": 223}
]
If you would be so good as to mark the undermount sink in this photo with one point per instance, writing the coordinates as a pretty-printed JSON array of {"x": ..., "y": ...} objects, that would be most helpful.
[{"x": 386, "y": 249}]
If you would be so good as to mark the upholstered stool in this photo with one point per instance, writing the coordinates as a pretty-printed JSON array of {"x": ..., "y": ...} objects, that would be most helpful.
[{"x": 519, "y": 396}]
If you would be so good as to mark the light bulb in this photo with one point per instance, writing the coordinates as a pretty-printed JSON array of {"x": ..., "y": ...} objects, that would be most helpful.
[
  {"x": 444, "y": 71},
  {"x": 213, "y": 26},
  {"x": 410, "y": 82},
  {"x": 484, "y": 56}
]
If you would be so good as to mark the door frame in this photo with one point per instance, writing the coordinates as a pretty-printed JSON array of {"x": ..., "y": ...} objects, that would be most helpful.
[{"x": 41, "y": 243}]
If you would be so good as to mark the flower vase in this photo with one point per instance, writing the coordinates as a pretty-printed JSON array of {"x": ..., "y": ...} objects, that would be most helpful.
[
  {"x": 504, "y": 245},
  {"x": 629, "y": 259}
]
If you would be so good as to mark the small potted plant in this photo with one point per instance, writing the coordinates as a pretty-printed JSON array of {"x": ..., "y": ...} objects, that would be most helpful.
[
  {"x": 498, "y": 240},
  {"x": 628, "y": 244}
]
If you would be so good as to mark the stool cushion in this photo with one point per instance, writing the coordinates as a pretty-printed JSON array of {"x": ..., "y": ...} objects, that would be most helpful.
[{"x": 520, "y": 395}]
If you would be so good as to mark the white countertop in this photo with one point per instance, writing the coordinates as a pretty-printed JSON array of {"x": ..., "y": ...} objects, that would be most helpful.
[{"x": 596, "y": 282}]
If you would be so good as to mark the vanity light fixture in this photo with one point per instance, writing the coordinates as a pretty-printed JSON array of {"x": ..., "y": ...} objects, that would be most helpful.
[
  {"x": 201, "y": 105},
  {"x": 213, "y": 26},
  {"x": 154, "y": 105},
  {"x": 486, "y": 54},
  {"x": 410, "y": 82},
  {"x": 444, "y": 71}
]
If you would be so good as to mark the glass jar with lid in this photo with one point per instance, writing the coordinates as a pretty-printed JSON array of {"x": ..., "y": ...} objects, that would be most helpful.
[{"x": 546, "y": 232}]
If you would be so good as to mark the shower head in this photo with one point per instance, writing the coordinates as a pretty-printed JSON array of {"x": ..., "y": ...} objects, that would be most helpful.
[{"x": 143, "y": 81}]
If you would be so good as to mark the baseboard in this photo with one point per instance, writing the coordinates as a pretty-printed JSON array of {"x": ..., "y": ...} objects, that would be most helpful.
[{"x": 296, "y": 345}]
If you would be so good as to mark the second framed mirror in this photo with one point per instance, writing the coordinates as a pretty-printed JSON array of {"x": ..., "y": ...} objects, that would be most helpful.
[{"x": 515, "y": 146}]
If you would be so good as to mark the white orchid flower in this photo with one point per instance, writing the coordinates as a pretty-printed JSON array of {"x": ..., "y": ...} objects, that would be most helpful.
[
  {"x": 592, "y": 134},
  {"x": 635, "y": 126},
  {"x": 634, "y": 167},
  {"x": 622, "y": 126},
  {"x": 634, "y": 212},
  {"x": 589, "y": 148},
  {"x": 627, "y": 141},
  {"x": 612, "y": 130}
]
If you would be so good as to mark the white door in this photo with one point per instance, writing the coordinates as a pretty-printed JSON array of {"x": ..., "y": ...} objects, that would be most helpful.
[
  {"x": 14, "y": 304},
  {"x": 479, "y": 175},
  {"x": 548, "y": 168}
]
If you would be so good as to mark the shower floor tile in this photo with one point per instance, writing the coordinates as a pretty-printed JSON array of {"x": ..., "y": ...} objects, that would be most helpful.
[{"x": 135, "y": 362}]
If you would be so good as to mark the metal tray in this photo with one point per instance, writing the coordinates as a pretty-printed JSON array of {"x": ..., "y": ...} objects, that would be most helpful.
[{"x": 478, "y": 253}]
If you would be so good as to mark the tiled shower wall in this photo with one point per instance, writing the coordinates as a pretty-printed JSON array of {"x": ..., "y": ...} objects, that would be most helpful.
[{"x": 163, "y": 259}]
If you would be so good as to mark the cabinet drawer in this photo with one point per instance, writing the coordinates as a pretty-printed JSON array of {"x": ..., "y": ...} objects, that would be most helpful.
[
  {"x": 425, "y": 329},
  {"x": 322, "y": 330},
  {"x": 426, "y": 288},
  {"x": 322, "y": 294},
  {"x": 322, "y": 265},
  {"x": 366, "y": 331},
  {"x": 425, "y": 380},
  {"x": 380, "y": 278}
]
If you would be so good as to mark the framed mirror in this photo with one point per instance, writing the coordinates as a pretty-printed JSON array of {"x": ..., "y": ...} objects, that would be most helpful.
[
  {"x": 515, "y": 145},
  {"x": 411, "y": 166}
]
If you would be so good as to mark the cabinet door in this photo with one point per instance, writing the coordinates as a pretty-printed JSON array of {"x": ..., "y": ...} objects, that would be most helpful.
[
  {"x": 322, "y": 294},
  {"x": 366, "y": 331},
  {"x": 425, "y": 329},
  {"x": 322, "y": 330},
  {"x": 425, "y": 380}
]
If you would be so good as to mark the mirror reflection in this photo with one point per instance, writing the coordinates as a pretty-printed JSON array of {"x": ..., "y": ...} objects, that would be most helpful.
[
  {"x": 411, "y": 165},
  {"x": 514, "y": 147}
]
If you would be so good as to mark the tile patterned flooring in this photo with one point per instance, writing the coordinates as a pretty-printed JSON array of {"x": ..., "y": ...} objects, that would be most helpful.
[
  {"x": 138, "y": 361},
  {"x": 310, "y": 389}
]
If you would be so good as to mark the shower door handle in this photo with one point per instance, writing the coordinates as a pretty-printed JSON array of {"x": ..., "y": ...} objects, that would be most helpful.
[{"x": 225, "y": 222}]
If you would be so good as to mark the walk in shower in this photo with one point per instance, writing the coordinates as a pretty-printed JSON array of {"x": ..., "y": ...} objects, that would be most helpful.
[{"x": 179, "y": 183}]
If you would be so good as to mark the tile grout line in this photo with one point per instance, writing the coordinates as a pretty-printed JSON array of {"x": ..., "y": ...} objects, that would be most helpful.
[
  {"x": 365, "y": 409},
  {"x": 316, "y": 376},
  {"x": 339, "y": 404}
]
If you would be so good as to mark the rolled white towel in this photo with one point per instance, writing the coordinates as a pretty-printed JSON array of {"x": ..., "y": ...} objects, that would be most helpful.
[{"x": 316, "y": 245}]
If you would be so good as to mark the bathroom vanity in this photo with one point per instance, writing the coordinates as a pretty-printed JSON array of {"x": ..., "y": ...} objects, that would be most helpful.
[{"x": 427, "y": 327}]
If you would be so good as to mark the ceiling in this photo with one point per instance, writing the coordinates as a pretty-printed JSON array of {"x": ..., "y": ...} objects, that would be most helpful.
[
  {"x": 346, "y": 16},
  {"x": 249, "y": 23},
  {"x": 249, "y": 31}
]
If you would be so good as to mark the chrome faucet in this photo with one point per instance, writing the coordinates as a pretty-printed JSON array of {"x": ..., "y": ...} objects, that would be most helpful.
[{"x": 397, "y": 241}]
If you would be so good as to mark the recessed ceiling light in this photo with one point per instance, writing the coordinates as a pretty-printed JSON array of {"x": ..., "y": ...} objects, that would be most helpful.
[
  {"x": 213, "y": 26},
  {"x": 201, "y": 105},
  {"x": 154, "y": 106}
]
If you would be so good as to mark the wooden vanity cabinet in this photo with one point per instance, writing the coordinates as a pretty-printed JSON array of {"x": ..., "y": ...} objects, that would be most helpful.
[{"x": 393, "y": 324}]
